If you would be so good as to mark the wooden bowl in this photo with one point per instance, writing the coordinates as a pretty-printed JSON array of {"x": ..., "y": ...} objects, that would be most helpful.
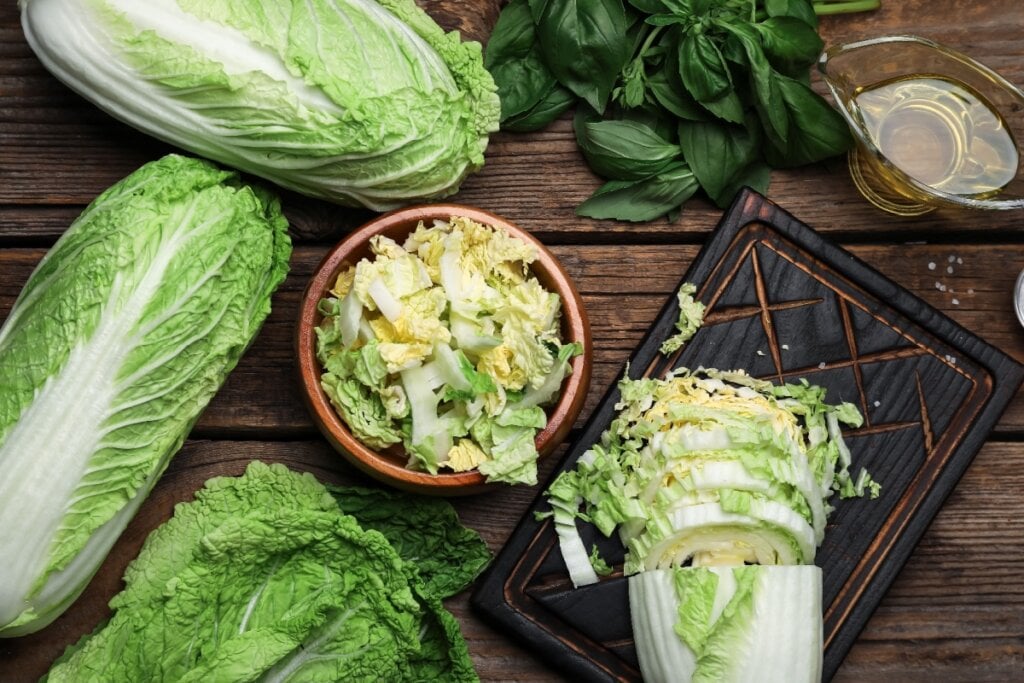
[{"x": 388, "y": 465}]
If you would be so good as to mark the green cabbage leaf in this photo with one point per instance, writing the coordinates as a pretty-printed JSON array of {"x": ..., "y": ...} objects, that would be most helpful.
[
  {"x": 118, "y": 340},
  {"x": 360, "y": 102},
  {"x": 264, "y": 577}
]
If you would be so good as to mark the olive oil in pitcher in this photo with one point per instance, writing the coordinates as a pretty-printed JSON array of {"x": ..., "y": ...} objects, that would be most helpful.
[{"x": 940, "y": 133}]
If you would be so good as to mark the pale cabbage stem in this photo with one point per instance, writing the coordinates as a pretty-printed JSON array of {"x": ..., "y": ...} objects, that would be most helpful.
[{"x": 58, "y": 408}]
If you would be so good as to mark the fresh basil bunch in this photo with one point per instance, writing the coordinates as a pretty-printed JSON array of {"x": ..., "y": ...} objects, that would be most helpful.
[{"x": 673, "y": 95}]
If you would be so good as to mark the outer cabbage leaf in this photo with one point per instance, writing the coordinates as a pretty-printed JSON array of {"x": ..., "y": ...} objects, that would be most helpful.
[
  {"x": 361, "y": 102},
  {"x": 425, "y": 531},
  {"x": 263, "y": 577},
  {"x": 119, "y": 339}
]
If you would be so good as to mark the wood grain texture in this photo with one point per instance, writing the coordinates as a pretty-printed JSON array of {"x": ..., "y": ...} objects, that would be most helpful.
[
  {"x": 948, "y": 617},
  {"x": 40, "y": 120},
  {"x": 956, "y": 611},
  {"x": 261, "y": 397}
]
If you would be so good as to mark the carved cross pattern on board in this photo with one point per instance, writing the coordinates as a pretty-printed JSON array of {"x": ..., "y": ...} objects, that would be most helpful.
[{"x": 894, "y": 344}]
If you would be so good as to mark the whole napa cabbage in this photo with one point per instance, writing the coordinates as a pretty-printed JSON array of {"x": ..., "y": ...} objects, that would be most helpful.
[{"x": 360, "y": 102}]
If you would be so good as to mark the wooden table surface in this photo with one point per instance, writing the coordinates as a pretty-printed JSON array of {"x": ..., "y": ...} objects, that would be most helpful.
[{"x": 956, "y": 611}]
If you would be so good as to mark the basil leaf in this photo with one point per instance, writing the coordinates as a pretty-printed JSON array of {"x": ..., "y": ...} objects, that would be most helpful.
[
  {"x": 798, "y": 9},
  {"x": 717, "y": 151},
  {"x": 664, "y": 125},
  {"x": 584, "y": 43},
  {"x": 789, "y": 43},
  {"x": 756, "y": 176},
  {"x": 702, "y": 68},
  {"x": 673, "y": 97},
  {"x": 649, "y": 6},
  {"x": 553, "y": 104},
  {"x": 634, "y": 84},
  {"x": 536, "y": 8},
  {"x": 823, "y": 133},
  {"x": 728, "y": 108},
  {"x": 666, "y": 86},
  {"x": 764, "y": 80},
  {"x": 642, "y": 200},
  {"x": 623, "y": 150},
  {"x": 514, "y": 60},
  {"x": 665, "y": 19},
  {"x": 698, "y": 7}
]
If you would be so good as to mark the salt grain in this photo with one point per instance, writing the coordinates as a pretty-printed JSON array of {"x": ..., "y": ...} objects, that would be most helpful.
[
  {"x": 785, "y": 347},
  {"x": 956, "y": 302},
  {"x": 938, "y": 285},
  {"x": 821, "y": 365},
  {"x": 878, "y": 403},
  {"x": 959, "y": 261},
  {"x": 949, "y": 270},
  {"x": 951, "y": 259},
  {"x": 931, "y": 265},
  {"x": 760, "y": 352}
]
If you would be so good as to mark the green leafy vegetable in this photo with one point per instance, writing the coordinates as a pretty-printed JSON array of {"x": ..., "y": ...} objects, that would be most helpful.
[
  {"x": 118, "y": 340},
  {"x": 584, "y": 44},
  {"x": 719, "y": 153},
  {"x": 717, "y": 483},
  {"x": 710, "y": 91},
  {"x": 361, "y": 102},
  {"x": 513, "y": 58},
  {"x": 624, "y": 150},
  {"x": 642, "y": 200},
  {"x": 691, "y": 317},
  {"x": 711, "y": 468},
  {"x": 425, "y": 532},
  {"x": 265, "y": 577},
  {"x": 448, "y": 345},
  {"x": 725, "y": 624}
]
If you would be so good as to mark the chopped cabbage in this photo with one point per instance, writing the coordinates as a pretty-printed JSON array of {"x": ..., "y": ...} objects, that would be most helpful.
[
  {"x": 709, "y": 467},
  {"x": 271, "y": 576},
  {"x": 464, "y": 332},
  {"x": 691, "y": 317}
]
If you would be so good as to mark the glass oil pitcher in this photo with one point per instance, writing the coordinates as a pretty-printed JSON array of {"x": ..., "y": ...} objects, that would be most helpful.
[{"x": 933, "y": 127}]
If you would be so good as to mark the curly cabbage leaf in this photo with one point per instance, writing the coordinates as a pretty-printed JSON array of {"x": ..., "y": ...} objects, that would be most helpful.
[
  {"x": 360, "y": 102},
  {"x": 265, "y": 577},
  {"x": 119, "y": 339}
]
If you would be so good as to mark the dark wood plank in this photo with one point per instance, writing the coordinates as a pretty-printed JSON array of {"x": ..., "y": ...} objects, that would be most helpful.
[
  {"x": 953, "y": 614},
  {"x": 261, "y": 397},
  {"x": 40, "y": 120}
]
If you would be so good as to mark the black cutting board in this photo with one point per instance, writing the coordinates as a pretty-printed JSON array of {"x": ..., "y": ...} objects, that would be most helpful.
[{"x": 784, "y": 303}]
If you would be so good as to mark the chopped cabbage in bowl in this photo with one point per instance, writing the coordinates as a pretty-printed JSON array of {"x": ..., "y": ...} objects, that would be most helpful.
[{"x": 448, "y": 345}]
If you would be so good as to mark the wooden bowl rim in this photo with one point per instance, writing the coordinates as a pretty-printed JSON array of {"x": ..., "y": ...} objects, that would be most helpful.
[{"x": 381, "y": 466}]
